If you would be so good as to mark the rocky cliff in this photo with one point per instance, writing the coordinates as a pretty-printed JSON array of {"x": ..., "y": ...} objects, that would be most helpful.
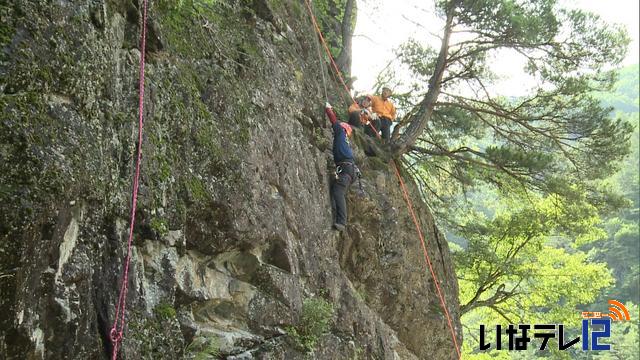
[{"x": 234, "y": 254}]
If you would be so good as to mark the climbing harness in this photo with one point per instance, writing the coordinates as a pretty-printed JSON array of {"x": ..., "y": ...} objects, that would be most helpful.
[
  {"x": 404, "y": 192},
  {"x": 338, "y": 172},
  {"x": 340, "y": 169},
  {"x": 119, "y": 322}
]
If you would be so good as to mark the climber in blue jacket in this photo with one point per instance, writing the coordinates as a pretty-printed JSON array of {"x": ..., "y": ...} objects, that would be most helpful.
[{"x": 346, "y": 169}]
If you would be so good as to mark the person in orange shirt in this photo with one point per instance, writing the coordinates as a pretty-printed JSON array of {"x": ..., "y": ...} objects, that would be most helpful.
[{"x": 384, "y": 109}]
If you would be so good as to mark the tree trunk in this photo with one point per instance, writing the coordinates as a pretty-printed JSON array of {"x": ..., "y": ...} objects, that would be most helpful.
[
  {"x": 418, "y": 122},
  {"x": 344, "y": 59}
]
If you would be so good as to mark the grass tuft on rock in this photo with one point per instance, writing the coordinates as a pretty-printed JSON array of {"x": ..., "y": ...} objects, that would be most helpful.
[{"x": 315, "y": 322}]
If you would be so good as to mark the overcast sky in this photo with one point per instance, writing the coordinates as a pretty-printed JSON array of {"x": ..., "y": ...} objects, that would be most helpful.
[{"x": 383, "y": 25}]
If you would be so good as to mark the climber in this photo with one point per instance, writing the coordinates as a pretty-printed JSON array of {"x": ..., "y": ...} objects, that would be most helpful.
[
  {"x": 384, "y": 109},
  {"x": 346, "y": 170}
]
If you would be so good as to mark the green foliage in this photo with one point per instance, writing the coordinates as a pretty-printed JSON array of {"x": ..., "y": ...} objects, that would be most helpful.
[
  {"x": 542, "y": 24},
  {"x": 556, "y": 135},
  {"x": 197, "y": 189},
  {"x": 521, "y": 266},
  {"x": 620, "y": 248},
  {"x": 564, "y": 271},
  {"x": 157, "y": 336},
  {"x": 330, "y": 14},
  {"x": 159, "y": 226},
  {"x": 314, "y": 322},
  {"x": 420, "y": 60},
  {"x": 624, "y": 98},
  {"x": 529, "y": 21},
  {"x": 524, "y": 182},
  {"x": 165, "y": 311},
  {"x": 511, "y": 260},
  {"x": 203, "y": 348}
]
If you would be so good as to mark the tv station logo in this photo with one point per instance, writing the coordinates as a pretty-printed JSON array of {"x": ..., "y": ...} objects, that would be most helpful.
[
  {"x": 617, "y": 312},
  {"x": 596, "y": 327}
]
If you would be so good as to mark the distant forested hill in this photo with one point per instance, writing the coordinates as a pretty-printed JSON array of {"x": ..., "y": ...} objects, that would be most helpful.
[
  {"x": 622, "y": 247},
  {"x": 624, "y": 97}
]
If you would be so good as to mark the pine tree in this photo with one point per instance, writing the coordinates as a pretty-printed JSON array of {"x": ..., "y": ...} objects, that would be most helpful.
[{"x": 553, "y": 139}]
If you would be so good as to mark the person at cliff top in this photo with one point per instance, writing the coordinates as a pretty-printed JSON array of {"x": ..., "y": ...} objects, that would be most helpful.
[
  {"x": 360, "y": 114},
  {"x": 384, "y": 109},
  {"x": 346, "y": 169}
]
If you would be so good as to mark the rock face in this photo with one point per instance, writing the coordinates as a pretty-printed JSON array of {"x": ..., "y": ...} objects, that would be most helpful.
[{"x": 233, "y": 232}]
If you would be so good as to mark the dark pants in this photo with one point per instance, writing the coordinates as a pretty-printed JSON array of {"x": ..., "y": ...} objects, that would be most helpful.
[
  {"x": 339, "y": 188},
  {"x": 385, "y": 126},
  {"x": 369, "y": 131}
]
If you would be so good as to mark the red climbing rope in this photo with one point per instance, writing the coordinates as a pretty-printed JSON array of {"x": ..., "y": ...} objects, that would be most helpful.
[
  {"x": 404, "y": 192},
  {"x": 119, "y": 318}
]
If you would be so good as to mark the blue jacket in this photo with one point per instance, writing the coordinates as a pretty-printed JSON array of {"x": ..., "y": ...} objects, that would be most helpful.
[{"x": 341, "y": 149}]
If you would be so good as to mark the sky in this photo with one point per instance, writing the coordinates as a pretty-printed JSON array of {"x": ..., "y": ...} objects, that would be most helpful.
[{"x": 383, "y": 25}]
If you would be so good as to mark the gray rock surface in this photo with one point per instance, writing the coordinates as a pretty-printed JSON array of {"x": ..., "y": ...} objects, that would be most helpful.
[{"x": 233, "y": 225}]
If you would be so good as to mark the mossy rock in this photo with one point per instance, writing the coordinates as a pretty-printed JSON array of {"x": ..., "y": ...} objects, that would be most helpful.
[{"x": 155, "y": 337}]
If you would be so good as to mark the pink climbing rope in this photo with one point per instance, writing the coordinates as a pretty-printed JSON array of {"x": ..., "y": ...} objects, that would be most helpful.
[{"x": 119, "y": 318}]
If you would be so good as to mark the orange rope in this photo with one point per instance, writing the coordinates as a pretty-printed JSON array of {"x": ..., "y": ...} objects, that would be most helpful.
[
  {"x": 335, "y": 66},
  {"x": 404, "y": 192},
  {"x": 324, "y": 43},
  {"x": 426, "y": 256}
]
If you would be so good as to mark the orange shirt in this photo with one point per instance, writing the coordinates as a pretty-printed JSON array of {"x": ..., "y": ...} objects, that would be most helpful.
[{"x": 384, "y": 108}]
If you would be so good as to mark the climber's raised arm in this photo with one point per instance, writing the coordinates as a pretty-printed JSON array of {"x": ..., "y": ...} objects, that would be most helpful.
[{"x": 328, "y": 109}]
